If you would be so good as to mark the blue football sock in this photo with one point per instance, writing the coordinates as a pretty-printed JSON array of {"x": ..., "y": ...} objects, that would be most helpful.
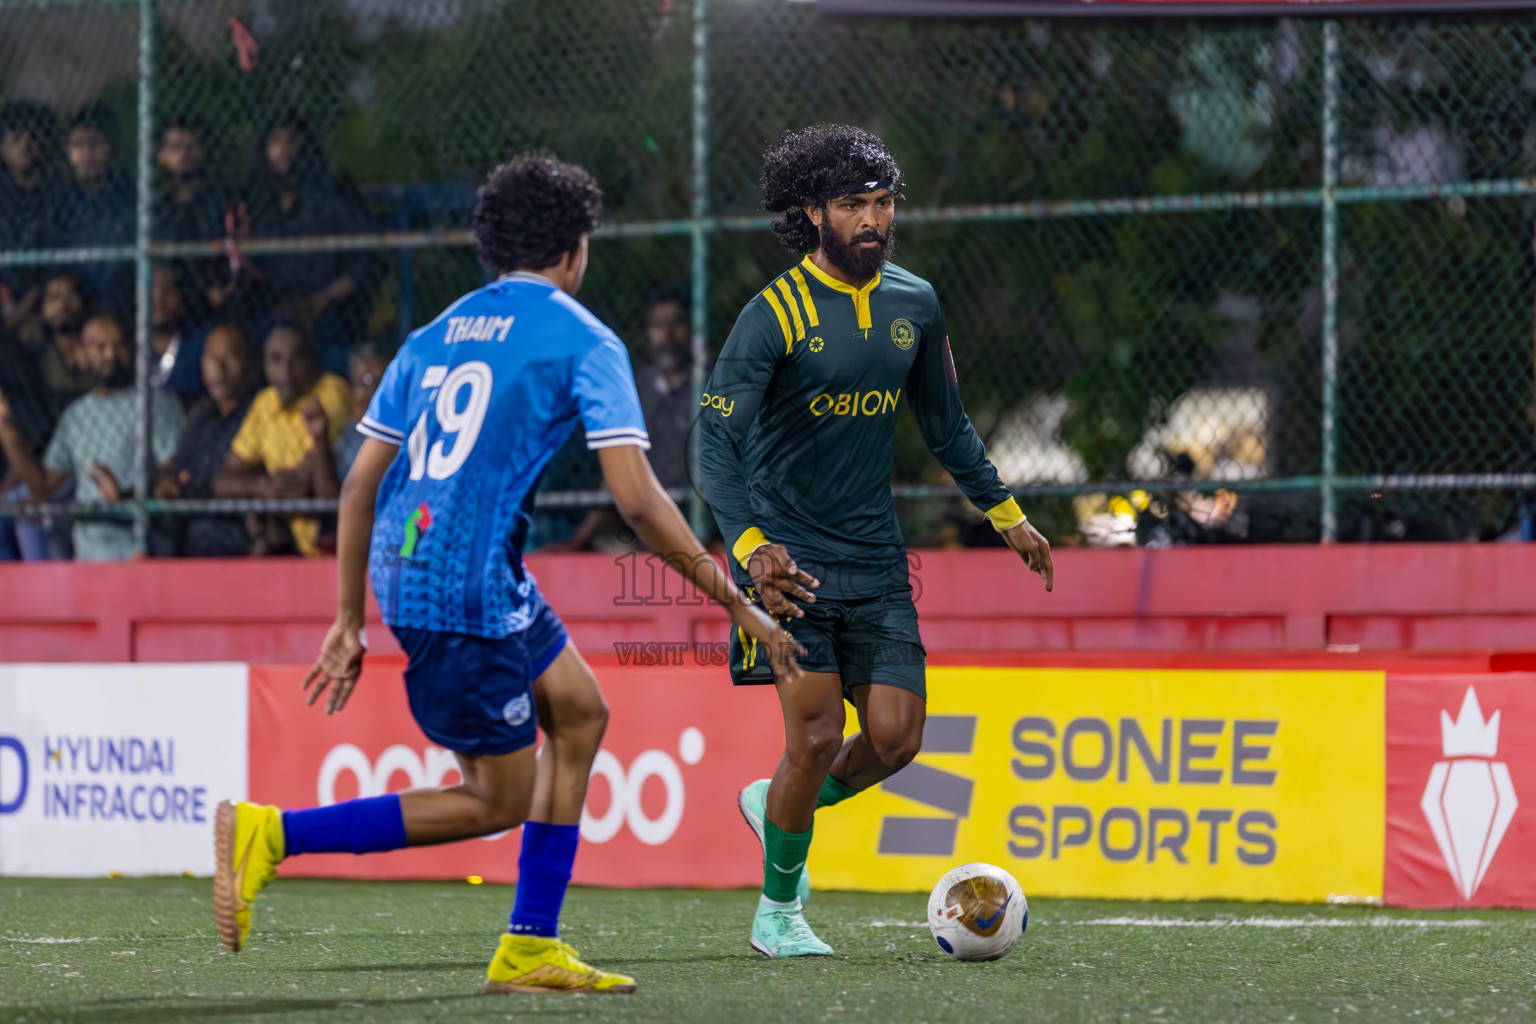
[
  {"x": 352, "y": 826},
  {"x": 543, "y": 872}
]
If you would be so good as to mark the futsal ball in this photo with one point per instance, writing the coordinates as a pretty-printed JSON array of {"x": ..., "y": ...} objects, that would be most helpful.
[{"x": 977, "y": 912}]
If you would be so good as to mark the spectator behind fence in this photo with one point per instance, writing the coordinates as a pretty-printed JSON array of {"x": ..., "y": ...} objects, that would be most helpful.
[
  {"x": 94, "y": 442},
  {"x": 44, "y": 376},
  {"x": 292, "y": 194},
  {"x": 229, "y": 377},
  {"x": 22, "y": 386},
  {"x": 25, "y": 188},
  {"x": 284, "y": 449},
  {"x": 190, "y": 207},
  {"x": 177, "y": 344},
  {"x": 96, "y": 206},
  {"x": 365, "y": 369},
  {"x": 666, "y": 400},
  {"x": 666, "y": 392},
  {"x": 56, "y": 343}
]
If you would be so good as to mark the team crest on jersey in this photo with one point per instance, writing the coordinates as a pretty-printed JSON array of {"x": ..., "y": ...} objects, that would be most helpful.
[
  {"x": 517, "y": 710},
  {"x": 817, "y": 344},
  {"x": 903, "y": 334}
]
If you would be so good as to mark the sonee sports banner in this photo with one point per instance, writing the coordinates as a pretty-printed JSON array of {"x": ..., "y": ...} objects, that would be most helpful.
[
  {"x": 1154, "y": 8},
  {"x": 1130, "y": 784}
]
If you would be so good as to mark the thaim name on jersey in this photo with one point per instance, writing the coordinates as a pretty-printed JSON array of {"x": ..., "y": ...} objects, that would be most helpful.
[{"x": 477, "y": 328}]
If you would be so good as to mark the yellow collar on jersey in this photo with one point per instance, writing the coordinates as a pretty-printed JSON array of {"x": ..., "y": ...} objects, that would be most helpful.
[{"x": 860, "y": 295}]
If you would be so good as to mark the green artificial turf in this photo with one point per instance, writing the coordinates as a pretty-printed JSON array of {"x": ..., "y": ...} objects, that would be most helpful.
[{"x": 135, "y": 950}]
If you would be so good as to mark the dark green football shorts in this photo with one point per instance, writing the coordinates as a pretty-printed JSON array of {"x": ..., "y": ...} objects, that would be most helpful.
[{"x": 871, "y": 640}]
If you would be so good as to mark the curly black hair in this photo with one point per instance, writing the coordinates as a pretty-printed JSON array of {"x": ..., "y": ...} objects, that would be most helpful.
[
  {"x": 805, "y": 167},
  {"x": 531, "y": 211}
]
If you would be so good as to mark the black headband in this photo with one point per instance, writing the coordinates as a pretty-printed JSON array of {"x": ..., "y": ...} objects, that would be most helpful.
[{"x": 854, "y": 188}]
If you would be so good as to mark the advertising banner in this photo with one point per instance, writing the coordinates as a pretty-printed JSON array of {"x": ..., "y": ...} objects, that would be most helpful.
[
  {"x": 1135, "y": 784},
  {"x": 1282, "y": 785},
  {"x": 109, "y": 768},
  {"x": 1461, "y": 784},
  {"x": 661, "y": 807}
]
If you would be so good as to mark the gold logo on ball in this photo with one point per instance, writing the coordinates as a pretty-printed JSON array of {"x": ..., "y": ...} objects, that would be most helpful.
[
  {"x": 979, "y": 901},
  {"x": 903, "y": 334}
]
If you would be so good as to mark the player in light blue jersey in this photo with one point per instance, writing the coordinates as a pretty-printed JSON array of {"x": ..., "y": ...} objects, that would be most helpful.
[{"x": 436, "y": 509}]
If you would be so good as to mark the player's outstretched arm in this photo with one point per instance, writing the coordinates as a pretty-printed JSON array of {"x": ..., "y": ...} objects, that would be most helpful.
[
  {"x": 341, "y": 656},
  {"x": 654, "y": 517}
]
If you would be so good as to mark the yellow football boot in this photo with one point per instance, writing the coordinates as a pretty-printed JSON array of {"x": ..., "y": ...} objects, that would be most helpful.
[
  {"x": 533, "y": 964},
  {"x": 248, "y": 844}
]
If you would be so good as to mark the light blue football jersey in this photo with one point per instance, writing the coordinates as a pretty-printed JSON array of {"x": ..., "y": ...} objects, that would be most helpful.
[{"x": 479, "y": 400}]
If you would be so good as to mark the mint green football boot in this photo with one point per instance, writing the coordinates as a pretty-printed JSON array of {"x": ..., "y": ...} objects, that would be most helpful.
[
  {"x": 753, "y": 802},
  {"x": 779, "y": 930}
]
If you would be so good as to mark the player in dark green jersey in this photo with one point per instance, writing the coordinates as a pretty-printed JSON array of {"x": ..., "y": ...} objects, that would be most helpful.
[{"x": 796, "y": 430}]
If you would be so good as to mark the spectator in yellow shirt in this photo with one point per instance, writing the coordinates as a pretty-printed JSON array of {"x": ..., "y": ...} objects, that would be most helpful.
[{"x": 285, "y": 447}]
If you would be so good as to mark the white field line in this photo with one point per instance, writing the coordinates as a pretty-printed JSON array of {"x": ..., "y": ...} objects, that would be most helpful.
[
  {"x": 44, "y": 941},
  {"x": 1379, "y": 921}
]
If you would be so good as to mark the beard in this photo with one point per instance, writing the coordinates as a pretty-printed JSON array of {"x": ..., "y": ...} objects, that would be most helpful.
[
  {"x": 120, "y": 376},
  {"x": 69, "y": 324},
  {"x": 859, "y": 264},
  {"x": 675, "y": 358}
]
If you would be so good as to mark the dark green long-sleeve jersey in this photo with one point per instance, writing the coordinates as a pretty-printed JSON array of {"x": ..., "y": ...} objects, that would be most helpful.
[{"x": 797, "y": 424}]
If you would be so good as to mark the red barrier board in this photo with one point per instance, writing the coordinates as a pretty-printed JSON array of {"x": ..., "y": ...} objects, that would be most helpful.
[
  {"x": 1461, "y": 791},
  {"x": 1339, "y": 607},
  {"x": 661, "y": 808}
]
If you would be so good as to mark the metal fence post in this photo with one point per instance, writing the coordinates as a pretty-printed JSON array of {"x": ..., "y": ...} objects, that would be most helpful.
[
  {"x": 143, "y": 449},
  {"x": 1330, "y": 280},
  {"x": 697, "y": 513}
]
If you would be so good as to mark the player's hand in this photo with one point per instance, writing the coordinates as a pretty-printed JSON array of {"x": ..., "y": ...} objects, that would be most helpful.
[
  {"x": 5, "y": 411},
  {"x": 286, "y": 483},
  {"x": 168, "y": 487},
  {"x": 315, "y": 423},
  {"x": 776, "y": 575},
  {"x": 773, "y": 638},
  {"x": 105, "y": 482},
  {"x": 1032, "y": 547},
  {"x": 337, "y": 668}
]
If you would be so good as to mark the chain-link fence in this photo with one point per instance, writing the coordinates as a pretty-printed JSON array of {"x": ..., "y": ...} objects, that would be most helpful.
[{"x": 1206, "y": 281}]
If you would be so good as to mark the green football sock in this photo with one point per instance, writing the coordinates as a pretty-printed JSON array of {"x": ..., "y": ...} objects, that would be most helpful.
[
  {"x": 833, "y": 792},
  {"x": 783, "y": 861}
]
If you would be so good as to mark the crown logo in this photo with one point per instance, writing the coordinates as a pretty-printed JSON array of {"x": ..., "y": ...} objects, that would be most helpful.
[
  {"x": 1469, "y": 735},
  {"x": 1470, "y": 799}
]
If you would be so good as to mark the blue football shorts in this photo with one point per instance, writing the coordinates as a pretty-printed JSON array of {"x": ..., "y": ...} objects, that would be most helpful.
[{"x": 474, "y": 695}]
